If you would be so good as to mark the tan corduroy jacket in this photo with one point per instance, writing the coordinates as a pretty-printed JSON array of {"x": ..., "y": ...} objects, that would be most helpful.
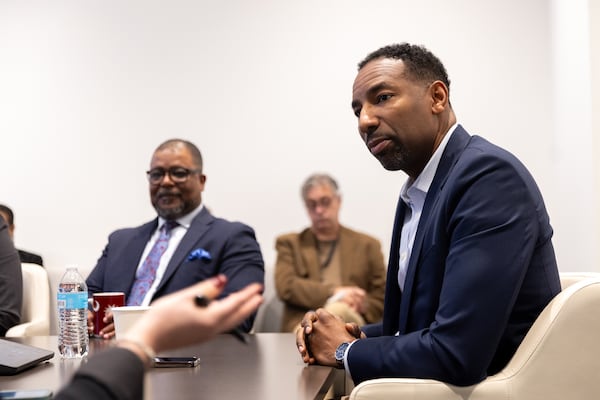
[{"x": 298, "y": 275}]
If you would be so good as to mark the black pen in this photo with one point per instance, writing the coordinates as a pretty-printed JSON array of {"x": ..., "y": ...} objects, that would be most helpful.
[{"x": 203, "y": 301}]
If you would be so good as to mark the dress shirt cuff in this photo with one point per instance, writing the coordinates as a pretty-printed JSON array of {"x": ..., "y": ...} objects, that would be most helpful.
[{"x": 346, "y": 367}]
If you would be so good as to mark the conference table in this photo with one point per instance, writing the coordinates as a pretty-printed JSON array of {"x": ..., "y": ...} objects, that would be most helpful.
[{"x": 267, "y": 367}]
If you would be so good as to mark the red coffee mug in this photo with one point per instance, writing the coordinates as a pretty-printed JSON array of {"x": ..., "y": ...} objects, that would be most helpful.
[{"x": 103, "y": 302}]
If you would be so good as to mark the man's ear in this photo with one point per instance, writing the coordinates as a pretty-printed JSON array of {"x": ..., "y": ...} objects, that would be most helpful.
[{"x": 439, "y": 96}]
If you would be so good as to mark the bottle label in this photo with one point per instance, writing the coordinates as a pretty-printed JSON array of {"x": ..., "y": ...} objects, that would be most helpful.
[{"x": 73, "y": 300}]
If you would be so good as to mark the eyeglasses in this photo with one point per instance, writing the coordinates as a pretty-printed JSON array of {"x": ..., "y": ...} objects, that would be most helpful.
[
  {"x": 176, "y": 174},
  {"x": 323, "y": 202}
]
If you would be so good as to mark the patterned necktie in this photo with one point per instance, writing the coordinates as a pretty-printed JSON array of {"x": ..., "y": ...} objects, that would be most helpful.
[{"x": 146, "y": 274}]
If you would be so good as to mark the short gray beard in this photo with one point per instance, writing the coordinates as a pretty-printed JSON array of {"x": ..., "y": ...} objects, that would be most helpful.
[{"x": 170, "y": 214}]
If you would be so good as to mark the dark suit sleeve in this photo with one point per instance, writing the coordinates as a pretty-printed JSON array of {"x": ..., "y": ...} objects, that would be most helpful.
[
  {"x": 241, "y": 261},
  {"x": 95, "y": 280},
  {"x": 117, "y": 264},
  {"x": 373, "y": 330},
  {"x": 114, "y": 374},
  {"x": 11, "y": 282},
  {"x": 487, "y": 233}
]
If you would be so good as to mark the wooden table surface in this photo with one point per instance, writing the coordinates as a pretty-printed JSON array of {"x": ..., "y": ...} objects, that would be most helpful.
[{"x": 268, "y": 367}]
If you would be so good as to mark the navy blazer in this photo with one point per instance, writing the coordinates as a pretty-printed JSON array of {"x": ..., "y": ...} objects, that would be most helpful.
[
  {"x": 481, "y": 270},
  {"x": 232, "y": 246}
]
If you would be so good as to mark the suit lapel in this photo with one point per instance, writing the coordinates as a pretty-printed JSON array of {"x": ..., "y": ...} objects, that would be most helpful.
[
  {"x": 199, "y": 226},
  {"x": 392, "y": 301},
  {"x": 451, "y": 154}
]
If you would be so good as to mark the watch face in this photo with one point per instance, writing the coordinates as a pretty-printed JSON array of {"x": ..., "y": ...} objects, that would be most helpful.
[{"x": 339, "y": 352}]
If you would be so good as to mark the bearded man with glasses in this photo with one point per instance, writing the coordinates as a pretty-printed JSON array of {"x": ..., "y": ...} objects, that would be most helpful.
[{"x": 185, "y": 244}]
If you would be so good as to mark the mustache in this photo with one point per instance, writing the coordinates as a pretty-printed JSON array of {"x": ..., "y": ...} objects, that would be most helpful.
[{"x": 167, "y": 192}]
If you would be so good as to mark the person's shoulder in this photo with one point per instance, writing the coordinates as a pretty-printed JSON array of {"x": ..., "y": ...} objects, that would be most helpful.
[
  {"x": 485, "y": 163},
  {"x": 293, "y": 236},
  {"x": 128, "y": 231},
  {"x": 222, "y": 224},
  {"x": 483, "y": 154},
  {"x": 359, "y": 236},
  {"x": 31, "y": 258},
  {"x": 481, "y": 147}
]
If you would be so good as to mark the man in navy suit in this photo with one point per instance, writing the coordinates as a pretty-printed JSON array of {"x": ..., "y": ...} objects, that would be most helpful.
[
  {"x": 471, "y": 262},
  {"x": 200, "y": 245}
]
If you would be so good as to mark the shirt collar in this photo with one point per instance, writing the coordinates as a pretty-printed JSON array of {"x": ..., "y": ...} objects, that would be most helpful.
[
  {"x": 425, "y": 178},
  {"x": 186, "y": 220}
]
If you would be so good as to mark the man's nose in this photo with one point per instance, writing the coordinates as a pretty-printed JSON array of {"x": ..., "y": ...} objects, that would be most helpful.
[
  {"x": 319, "y": 208},
  {"x": 367, "y": 121}
]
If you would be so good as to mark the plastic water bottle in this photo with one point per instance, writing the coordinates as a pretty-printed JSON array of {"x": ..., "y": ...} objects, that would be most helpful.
[{"x": 72, "y": 301}]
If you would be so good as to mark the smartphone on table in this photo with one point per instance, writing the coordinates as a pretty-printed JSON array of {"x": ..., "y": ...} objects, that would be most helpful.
[
  {"x": 176, "y": 362},
  {"x": 37, "y": 394}
]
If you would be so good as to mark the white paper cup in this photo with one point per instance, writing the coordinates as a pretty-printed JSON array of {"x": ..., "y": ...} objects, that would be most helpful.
[{"x": 126, "y": 317}]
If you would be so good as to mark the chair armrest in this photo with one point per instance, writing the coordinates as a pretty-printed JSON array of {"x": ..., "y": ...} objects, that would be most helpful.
[
  {"x": 32, "y": 328},
  {"x": 427, "y": 389}
]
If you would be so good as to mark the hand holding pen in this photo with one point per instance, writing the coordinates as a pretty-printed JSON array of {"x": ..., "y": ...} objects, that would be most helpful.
[{"x": 176, "y": 320}]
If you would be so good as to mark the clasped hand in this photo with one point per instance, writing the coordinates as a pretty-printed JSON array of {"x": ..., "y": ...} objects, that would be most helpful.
[
  {"x": 320, "y": 334},
  {"x": 108, "y": 332},
  {"x": 354, "y": 296}
]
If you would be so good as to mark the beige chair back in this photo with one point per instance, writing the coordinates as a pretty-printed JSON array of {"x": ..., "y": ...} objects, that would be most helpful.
[
  {"x": 558, "y": 359},
  {"x": 569, "y": 278},
  {"x": 35, "y": 311}
]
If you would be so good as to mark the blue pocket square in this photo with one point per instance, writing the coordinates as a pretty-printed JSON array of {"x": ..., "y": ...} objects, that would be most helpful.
[{"x": 199, "y": 254}]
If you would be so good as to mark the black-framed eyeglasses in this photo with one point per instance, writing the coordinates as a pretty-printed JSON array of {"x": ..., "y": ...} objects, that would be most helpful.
[{"x": 176, "y": 174}]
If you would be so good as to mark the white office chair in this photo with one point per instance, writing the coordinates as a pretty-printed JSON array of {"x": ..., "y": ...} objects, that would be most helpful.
[
  {"x": 558, "y": 359},
  {"x": 35, "y": 311}
]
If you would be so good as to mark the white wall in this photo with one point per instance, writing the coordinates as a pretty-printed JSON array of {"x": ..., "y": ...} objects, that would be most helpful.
[
  {"x": 574, "y": 205},
  {"x": 89, "y": 88},
  {"x": 594, "y": 23}
]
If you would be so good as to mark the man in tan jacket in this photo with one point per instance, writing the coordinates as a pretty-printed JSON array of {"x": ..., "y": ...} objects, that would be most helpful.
[{"x": 328, "y": 265}]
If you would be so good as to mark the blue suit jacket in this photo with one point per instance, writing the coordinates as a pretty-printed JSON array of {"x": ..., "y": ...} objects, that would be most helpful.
[
  {"x": 482, "y": 268},
  {"x": 233, "y": 250}
]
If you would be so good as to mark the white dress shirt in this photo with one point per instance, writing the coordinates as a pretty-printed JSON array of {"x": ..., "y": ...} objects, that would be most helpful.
[{"x": 413, "y": 194}]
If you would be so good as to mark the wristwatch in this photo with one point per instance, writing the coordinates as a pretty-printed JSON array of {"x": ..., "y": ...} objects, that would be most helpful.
[{"x": 339, "y": 354}]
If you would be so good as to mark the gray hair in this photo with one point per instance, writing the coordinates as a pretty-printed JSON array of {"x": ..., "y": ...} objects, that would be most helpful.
[{"x": 317, "y": 180}]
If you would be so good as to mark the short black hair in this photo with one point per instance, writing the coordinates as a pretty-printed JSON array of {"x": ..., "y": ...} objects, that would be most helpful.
[
  {"x": 8, "y": 212},
  {"x": 194, "y": 151},
  {"x": 421, "y": 64}
]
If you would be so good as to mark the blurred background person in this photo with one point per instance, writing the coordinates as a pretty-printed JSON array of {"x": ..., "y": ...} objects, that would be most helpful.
[
  {"x": 24, "y": 256},
  {"x": 183, "y": 245},
  {"x": 328, "y": 265},
  {"x": 11, "y": 281}
]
